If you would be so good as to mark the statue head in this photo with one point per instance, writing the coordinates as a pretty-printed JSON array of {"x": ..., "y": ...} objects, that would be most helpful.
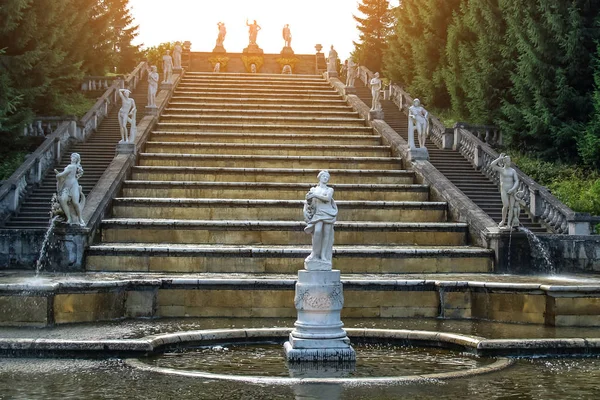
[
  {"x": 75, "y": 158},
  {"x": 324, "y": 176},
  {"x": 153, "y": 68},
  {"x": 416, "y": 102},
  {"x": 168, "y": 52},
  {"x": 376, "y": 74},
  {"x": 127, "y": 92},
  {"x": 254, "y": 22},
  {"x": 507, "y": 161}
]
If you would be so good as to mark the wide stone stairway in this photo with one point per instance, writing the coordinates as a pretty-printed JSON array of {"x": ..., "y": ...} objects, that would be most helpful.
[
  {"x": 473, "y": 183},
  {"x": 96, "y": 154},
  {"x": 220, "y": 185}
]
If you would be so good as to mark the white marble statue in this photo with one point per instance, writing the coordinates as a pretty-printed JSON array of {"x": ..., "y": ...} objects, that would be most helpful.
[
  {"x": 376, "y": 92},
  {"x": 177, "y": 50},
  {"x": 320, "y": 213},
  {"x": 127, "y": 114},
  {"x": 287, "y": 35},
  {"x": 332, "y": 60},
  {"x": 351, "y": 72},
  {"x": 167, "y": 67},
  {"x": 69, "y": 193},
  {"x": 253, "y": 29},
  {"x": 287, "y": 69},
  {"x": 509, "y": 182},
  {"x": 515, "y": 211},
  {"x": 253, "y": 68},
  {"x": 222, "y": 34},
  {"x": 217, "y": 67},
  {"x": 418, "y": 118},
  {"x": 153, "y": 79}
]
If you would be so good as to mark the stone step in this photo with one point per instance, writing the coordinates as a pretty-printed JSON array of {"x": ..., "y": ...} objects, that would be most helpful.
[
  {"x": 282, "y": 113},
  {"x": 242, "y": 120},
  {"x": 267, "y": 149},
  {"x": 243, "y": 87},
  {"x": 177, "y": 258},
  {"x": 263, "y": 128},
  {"x": 291, "y": 101},
  {"x": 259, "y": 81},
  {"x": 240, "y": 161},
  {"x": 339, "y": 106},
  {"x": 270, "y": 191},
  {"x": 226, "y": 76},
  {"x": 280, "y": 210},
  {"x": 231, "y": 232},
  {"x": 257, "y": 94},
  {"x": 256, "y": 138},
  {"x": 284, "y": 175}
]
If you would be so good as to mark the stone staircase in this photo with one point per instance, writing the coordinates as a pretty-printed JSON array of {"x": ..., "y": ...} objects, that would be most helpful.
[
  {"x": 96, "y": 154},
  {"x": 453, "y": 165},
  {"x": 220, "y": 185}
]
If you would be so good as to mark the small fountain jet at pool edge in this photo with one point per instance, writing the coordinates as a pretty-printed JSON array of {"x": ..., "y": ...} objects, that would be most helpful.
[{"x": 318, "y": 333}]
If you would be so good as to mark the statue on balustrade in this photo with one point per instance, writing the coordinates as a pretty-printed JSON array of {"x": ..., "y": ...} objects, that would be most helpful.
[
  {"x": 167, "y": 67},
  {"x": 153, "y": 79},
  {"x": 509, "y": 182},
  {"x": 253, "y": 29},
  {"x": 320, "y": 213},
  {"x": 287, "y": 35},
  {"x": 127, "y": 114},
  {"x": 177, "y": 50},
  {"x": 332, "y": 60},
  {"x": 221, "y": 35},
  {"x": 376, "y": 92},
  {"x": 418, "y": 118},
  {"x": 351, "y": 72},
  {"x": 69, "y": 193}
]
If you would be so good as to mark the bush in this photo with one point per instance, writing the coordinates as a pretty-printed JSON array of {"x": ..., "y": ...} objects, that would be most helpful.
[
  {"x": 10, "y": 163},
  {"x": 75, "y": 104}
]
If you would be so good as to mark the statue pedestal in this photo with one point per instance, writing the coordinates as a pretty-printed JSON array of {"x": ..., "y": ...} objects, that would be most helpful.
[
  {"x": 166, "y": 85},
  {"x": 332, "y": 74},
  {"x": 125, "y": 148},
  {"x": 349, "y": 90},
  {"x": 375, "y": 114},
  {"x": 177, "y": 70},
  {"x": 253, "y": 50},
  {"x": 418, "y": 154},
  {"x": 152, "y": 110},
  {"x": 287, "y": 52},
  {"x": 318, "y": 333},
  {"x": 219, "y": 49}
]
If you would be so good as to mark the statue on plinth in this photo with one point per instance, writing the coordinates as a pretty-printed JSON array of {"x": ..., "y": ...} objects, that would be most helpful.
[
  {"x": 287, "y": 69},
  {"x": 509, "y": 182},
  {"x": 127, "y": 114},
  {"x": 351, "y": 71},
  {"x": 418, "y": 118},
  {"x": 167, "y": 67},
  {"x": 217, "y": 67},
  {"x": 177, "y": 50},
  {"x": 69, "y": 193},
  {"x": 332, "y": 60},
  {"x": 153, "y": 79},
  {"x": 320, "y": 213},
  {"x": 220, "y": 38},
  {"x": 287, "y": 36},
  {"x": 376, "y": 92},
  {"x": 253, "y": 29}
]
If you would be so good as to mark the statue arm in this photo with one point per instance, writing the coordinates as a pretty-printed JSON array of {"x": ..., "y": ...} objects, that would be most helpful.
[
  {"x": 327, "y": 197},
  {"x": 494, "y": 164}
]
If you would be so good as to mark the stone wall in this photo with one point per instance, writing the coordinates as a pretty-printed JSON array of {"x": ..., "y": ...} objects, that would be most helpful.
[{"x": 199, "y": 62}]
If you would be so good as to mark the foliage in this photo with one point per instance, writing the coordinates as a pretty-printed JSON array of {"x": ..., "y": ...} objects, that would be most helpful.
[
  {"x": 374, "y": 29},
  {"x": 589, "y": 142},
  {"x": 75, "y": 104},
  {"x": 416, "y": 55},
  {"x": 10, "y": 163},
  {"x": 155, "y": 54}
]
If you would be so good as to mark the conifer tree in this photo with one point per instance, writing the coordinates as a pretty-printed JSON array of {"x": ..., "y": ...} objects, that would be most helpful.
[
  {"x": 374, "y": 30},
  {"x": 552, "y": 81},
  {"x": 589, "y": 142}
]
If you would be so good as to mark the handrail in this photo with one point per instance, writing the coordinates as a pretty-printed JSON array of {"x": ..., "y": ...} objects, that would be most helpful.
[
  {"x": 542, "y": 205},
  {"x": 51, "y": 150}
]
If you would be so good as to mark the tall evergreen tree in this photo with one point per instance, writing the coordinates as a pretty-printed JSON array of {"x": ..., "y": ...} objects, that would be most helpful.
[
  {"x": 552, "y": 80},
  {"x": 416, "y": 56},
  {"x": 374, "y": 30},
  {"x": 589, "y": 142}
]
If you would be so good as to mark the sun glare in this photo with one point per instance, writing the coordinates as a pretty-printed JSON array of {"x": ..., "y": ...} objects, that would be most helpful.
[{"x": 325, "y": 22}]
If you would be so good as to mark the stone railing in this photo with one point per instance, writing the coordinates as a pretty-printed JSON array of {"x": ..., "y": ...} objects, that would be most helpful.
[
  {"x": 95, "y": 83},
  {"x": 34, "y": 168},
  {"x": 540, "y": 203},
  {"x": 474, "y": 143}
]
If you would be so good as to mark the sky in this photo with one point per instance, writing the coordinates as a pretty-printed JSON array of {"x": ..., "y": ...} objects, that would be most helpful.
[{"x": 327, "y": 22}]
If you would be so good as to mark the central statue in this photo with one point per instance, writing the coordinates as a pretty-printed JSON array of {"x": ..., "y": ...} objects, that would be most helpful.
[
  {"x": 320, "y": 213},
  {"x": 253, "y": 29}
]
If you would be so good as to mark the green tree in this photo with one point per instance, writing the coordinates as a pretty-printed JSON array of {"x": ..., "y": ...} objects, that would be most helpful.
[
  {"x": 374, "y": 29},
  {"x": 589, "y": 143},
  {"x": 416, "y": 55},
  {"x": 552, "y": 80}
]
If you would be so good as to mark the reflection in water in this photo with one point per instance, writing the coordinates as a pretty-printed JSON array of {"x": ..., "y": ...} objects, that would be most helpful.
[{"x": 321, "y": 370}]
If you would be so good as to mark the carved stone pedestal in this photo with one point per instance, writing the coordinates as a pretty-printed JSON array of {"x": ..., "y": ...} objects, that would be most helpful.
[
  {"x": 332, "y": 74},
  {"x": 166, "y": 85},
  {"x": 287, "y": 52},
  {"x": 349, "y": 90},
  {"x": 125, "y": 148},
  {"x": 219, "y": 49},
  {"x": 152, "y": 110},
  {"x": 417, "y": 154},
  {"x": 177, "y": 70},
  {"x": 375, "y": 114},
  {"x": 318, "y": 333}
]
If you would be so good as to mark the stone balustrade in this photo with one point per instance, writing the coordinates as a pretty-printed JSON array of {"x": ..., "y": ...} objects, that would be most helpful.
[
  {"x": 34, "y": 168},
  {"x": 95, "y": 83},
  {"x": 474, "y": 143}
]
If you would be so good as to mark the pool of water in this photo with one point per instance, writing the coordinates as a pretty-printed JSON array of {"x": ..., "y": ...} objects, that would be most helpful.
[
  {"x": 268, "y": 360},
  {"x": 111, "y": 379}
]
